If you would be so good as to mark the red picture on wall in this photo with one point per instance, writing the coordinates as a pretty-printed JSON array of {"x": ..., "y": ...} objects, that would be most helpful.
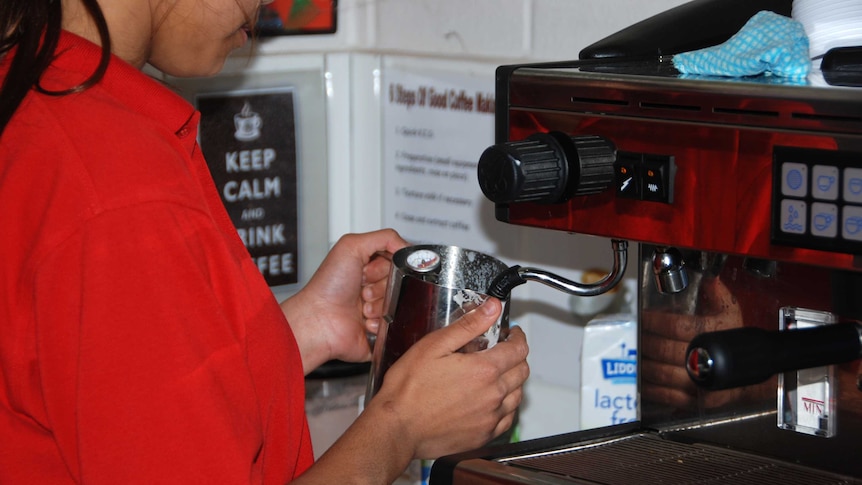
[{"x": 297, "y": 17}]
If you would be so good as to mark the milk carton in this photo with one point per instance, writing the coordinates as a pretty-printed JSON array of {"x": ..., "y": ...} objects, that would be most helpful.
[{"x": 609, "y": 371}]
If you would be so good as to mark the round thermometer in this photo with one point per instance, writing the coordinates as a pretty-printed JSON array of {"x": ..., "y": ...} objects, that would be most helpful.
[{"x": 423, "y": 261}]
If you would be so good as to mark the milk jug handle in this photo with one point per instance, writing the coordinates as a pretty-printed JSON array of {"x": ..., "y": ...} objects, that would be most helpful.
[{"x": 505, "y": 281}]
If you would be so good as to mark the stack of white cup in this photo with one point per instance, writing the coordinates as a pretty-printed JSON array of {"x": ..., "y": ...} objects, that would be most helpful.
[{"x": 829, "y": 23}]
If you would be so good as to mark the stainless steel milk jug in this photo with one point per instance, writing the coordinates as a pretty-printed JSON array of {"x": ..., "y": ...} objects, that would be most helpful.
[{"x": 429, "y": 287}]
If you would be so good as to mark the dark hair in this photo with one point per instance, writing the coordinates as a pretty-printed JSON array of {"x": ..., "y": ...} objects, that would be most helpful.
[{"x": 33, "y": 26}]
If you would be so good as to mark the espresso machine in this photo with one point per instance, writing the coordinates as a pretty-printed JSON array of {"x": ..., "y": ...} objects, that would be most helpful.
[{"x": 744, "y": 197}]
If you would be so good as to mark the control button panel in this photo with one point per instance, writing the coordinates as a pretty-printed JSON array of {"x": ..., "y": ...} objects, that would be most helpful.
[
  {"x": 644, "y": 176},
  {"x": 817, "y": 199},
  {"x": 627, "y": 167}
]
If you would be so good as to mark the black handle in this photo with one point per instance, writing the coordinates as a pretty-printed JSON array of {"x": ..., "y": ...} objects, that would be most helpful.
[
  {"x": 842, "y": 66},
  {"x": 692, "y": 25},
  {"x": 744, "y": 356},
  {"x": 505, "y": 281}
]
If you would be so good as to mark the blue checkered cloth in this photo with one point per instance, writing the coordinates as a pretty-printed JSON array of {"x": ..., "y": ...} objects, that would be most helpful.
[{"x": 767, "y": 44}]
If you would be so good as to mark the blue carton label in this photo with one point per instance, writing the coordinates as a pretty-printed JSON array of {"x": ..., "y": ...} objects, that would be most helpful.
[
  {"x": 609, "y": 368},
  {"x": 620, "y": 371}
]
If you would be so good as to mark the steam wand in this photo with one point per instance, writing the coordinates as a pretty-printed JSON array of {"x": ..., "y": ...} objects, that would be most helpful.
[{"x": 517, "y": 275}]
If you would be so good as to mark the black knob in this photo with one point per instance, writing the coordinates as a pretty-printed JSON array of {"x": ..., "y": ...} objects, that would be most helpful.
[{"x": 546, "y": 167}]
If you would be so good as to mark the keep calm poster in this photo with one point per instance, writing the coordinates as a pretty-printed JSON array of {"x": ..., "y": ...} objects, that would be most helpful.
[{"x": 249, "y": 142}]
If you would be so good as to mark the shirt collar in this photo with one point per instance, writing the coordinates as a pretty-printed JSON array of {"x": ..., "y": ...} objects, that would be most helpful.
[{"x": 129, "y": 85}]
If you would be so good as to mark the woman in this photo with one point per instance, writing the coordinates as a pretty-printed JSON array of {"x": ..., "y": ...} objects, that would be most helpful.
[{"x": 138, "y": 342}]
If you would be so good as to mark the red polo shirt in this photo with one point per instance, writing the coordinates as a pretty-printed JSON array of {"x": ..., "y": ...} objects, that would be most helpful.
[{"x": 138, "y": 341}]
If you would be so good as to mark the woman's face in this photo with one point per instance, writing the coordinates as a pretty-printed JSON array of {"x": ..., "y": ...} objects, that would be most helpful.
[{"x": 193, "y": 37}]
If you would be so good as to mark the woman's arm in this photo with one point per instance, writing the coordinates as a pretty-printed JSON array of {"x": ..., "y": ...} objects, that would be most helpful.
[{"x": 434, "y": 401}]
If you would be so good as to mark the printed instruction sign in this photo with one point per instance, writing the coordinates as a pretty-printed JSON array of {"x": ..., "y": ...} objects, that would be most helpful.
[
  {"x": 436, "y": 125},
  {"x": 249, "y": 142}
]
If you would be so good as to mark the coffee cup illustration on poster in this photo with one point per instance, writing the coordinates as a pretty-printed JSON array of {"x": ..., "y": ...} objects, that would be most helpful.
[{"x": 249, "y": 142}]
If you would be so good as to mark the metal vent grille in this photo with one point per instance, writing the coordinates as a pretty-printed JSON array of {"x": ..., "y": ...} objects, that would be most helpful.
[{"x": 645, "y": 459}]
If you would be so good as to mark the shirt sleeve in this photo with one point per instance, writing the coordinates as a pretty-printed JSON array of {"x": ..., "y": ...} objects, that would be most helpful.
[{"x": 142, "y": 350}]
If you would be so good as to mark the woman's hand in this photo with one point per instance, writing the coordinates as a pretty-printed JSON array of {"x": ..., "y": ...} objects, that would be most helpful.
[
  {"x": 434, "y": 401},
  {"x": 343, "y": 300},
  {"x": 449, "y": 401}
]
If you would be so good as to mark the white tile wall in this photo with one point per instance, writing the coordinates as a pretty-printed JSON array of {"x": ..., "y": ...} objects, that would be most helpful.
[{"x": 505, "y": 30}]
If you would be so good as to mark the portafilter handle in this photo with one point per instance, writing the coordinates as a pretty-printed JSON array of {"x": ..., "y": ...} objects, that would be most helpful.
[
  {"x": 516, "y": 275},
  {"x": 748, "y": 355}
]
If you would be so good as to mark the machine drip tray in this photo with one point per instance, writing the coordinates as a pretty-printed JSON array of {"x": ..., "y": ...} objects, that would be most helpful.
[{"x": 645, "y": 459}]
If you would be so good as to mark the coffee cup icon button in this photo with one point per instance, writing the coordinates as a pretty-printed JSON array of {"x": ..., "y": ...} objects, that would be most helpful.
[
  {"x": 824, "y": 179},
  {"x": 851, "y": 185}
]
